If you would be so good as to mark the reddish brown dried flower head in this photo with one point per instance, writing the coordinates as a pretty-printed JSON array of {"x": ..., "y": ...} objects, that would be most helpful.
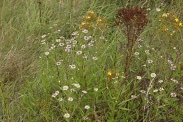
[
  {"x": 134, "y": 20},
  {"x": 135, "y": 17}
]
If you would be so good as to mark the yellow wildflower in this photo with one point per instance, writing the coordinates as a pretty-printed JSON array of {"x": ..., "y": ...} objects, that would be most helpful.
[
  {"x": 176, "y": 20},
  {"x": 92, "y": 15},
  {"x": 86, "y": 25},
  {"x": 109, "y": 73},
  {"x": 166, "y": 29},
  {"x": 99, "y": 20},
  {"x": 90, "y": 12},
  {"x": 112, "y": 74},
  {"x": 102, "y": 23},
  {"x": 88, "y": 17},
  {"x": 180, "y": 24},
  {"x": 83, "y": 23}
]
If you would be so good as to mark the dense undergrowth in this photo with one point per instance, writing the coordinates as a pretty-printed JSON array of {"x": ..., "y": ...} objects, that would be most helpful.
[{"x": 91, "y": 60}]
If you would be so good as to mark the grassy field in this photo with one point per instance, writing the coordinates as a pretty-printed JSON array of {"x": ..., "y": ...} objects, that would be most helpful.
[{"x": 91, "y": 60}]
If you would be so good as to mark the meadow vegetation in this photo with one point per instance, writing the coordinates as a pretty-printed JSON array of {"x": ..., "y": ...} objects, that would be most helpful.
[{"x": 91, "y": 60}]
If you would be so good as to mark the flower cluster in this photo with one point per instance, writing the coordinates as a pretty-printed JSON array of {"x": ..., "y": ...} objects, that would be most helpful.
[
  {"x": 92, "y": 21},
  {"x": 112, "y": 74},
  {"x": 133, "y": 18},
  {"x": 172, "y": 66},
  {"x": 170, "y": 23},
  {"x": 70, "y": 57},
  {"x": 69, "y": 94}
]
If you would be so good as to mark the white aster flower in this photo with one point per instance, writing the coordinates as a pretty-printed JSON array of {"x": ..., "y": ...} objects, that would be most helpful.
[
  {"x": 160, "y": 81},
  {"x": 61, "y": 44},
  {"x": 169, "y": 61},
  {"x": 79, "y": 52},
  {"x": 155, "y": 90},
  {"x": 148, "y": 9},
  {"x": 133, "y": 96},
  {"x": 61, "y": 37},
  {"x": 173, "y": 67},
  {"x": 175, "y": 81},
  {"x": 72, "y": 90},
  {"x": 139, "y": 46},
  {"x": 101, "y": 37},
  {"x": 76, "y": 85},
  {"x": 67, "y": 115},
  {"x": 68, "y": 41},
  {"x": 47, "y": 53},
  {"x": 58, "y": 40},
  {"x": 153, "y": 75},
  {"x": 58, "y": 63},
  {"x": 165, "y": 15},
  {"x": 85, "y": 31},
  {"x": 60, "y": 99},
  {"x": 95, "y": 89},
  {"x": 74, "y": 42},
  {"x": 158, "y": 9},
  {"x": 136, "y": 53},
  {"x": 149, "y": 61},
  {"x": 95, "y": 58},
  {"x": 173, "y": 94},
  {"x": 87, "y": 107},
  {"x": 83, "y": 46},
  {"x": 86, "y": 38},
  {"x": 65, "y": 88},
  {"x": 55, "y": 94},
  {"x": 143, "y": 91},
  {"x": 55, "y": 24},
  {"x": 67, "y": 50},
  {"x": 85, "y": 118},
  {"x": 161, "y": 89},
  {"x": 73, "y": 66},
  {"x": 139, "y": 77},
  {"x": 75, "y": 33},
  {"x": 147, "y": 52},
  {"x": 85, "y": 92},
  {"x": 43, "y": 36},
  {"x": 70, "y": 99},
  {"x": 90, "y": 44},
  {"x": 68, "y": 46}
]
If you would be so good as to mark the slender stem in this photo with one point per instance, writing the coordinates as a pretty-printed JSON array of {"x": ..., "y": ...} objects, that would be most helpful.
[
  {"x": 58, "y": 74},
  {"x": 40, "y": 12},
  {"x": 147, "y": 94}
]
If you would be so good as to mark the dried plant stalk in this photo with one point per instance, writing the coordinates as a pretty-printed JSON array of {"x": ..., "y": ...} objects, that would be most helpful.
[{"x": 132, "y": 22}]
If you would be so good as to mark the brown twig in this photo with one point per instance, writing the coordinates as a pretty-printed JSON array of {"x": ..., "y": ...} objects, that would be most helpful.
[{"x": 97, "y": 118}]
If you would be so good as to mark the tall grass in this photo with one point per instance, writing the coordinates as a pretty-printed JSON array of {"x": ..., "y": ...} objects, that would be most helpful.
[{"x": 65, "y": 61}]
